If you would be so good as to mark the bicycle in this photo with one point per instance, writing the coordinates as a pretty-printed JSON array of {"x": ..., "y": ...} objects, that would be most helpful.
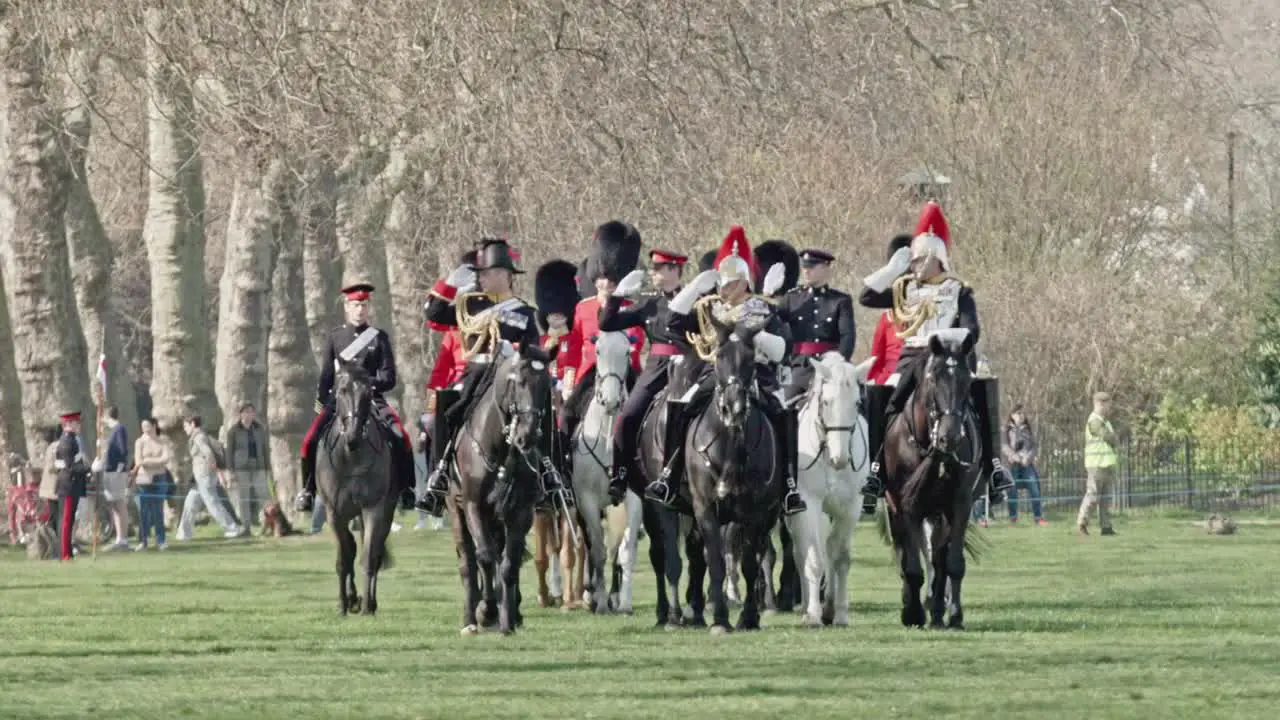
[{"x": 26, "y": 509}]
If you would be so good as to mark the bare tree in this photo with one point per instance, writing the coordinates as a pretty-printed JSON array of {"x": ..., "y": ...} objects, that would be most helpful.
[
  {"x": 291, "y": 369},
  {"x": 182, "y": 367},
  {"x": 322, "y": 263},
  {"x": 48, "y": 343},
  {"x": 12, "y": 438}
]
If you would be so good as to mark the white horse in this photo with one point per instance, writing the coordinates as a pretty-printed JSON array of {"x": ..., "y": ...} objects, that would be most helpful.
[
  {"x": 834, "y": 464},
  {"x": 592, "y": 457}
]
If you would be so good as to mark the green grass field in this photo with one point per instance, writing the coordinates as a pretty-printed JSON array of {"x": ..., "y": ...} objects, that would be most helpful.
[{"x": 1161, "y": 621}]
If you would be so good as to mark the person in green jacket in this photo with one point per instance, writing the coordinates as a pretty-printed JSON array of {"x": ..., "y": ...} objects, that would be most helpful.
[{"x": 1100, "y": 463}]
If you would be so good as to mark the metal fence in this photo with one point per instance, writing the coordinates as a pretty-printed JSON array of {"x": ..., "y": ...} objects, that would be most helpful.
[{"x": 1178, "y": 473}]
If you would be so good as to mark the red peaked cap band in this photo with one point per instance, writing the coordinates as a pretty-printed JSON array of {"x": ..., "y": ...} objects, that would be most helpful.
[
  {"x": 931, "y": 220},
  {"x": 664, "y": 257},
  {"x": 68, "y": 417},
  {"x": 737, "y": 240},
  {"x": 358, "y": 295}
]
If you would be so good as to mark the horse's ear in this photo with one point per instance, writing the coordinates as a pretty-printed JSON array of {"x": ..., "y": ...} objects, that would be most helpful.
[{"x": 935, "y": 345}]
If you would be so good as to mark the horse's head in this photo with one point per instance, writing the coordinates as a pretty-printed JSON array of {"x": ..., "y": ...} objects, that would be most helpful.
[
  {"x": 526, "y": 400},
  {"x": 945, "y": 387},
  {"x": 613, "y": 355},
  {"x": 735, "y": 373},
  {"x": 836, "y": 392},
  {"x": 353, "y": 399}
]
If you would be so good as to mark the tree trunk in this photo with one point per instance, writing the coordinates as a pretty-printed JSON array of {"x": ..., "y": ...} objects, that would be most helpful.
[
  {"x": 322, "y": 263},
  {"x": 173, "y": 231},
  {"x": 90, "y": 248},
  {"x": 244, "y": 310},
  {"x": 290, "y": 365},
  {"x": 12, "y": 438},
  {"x": 48, "y": 343}
]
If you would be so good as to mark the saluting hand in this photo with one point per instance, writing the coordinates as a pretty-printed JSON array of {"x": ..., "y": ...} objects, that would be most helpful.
[{"x": 630, "y": 284}]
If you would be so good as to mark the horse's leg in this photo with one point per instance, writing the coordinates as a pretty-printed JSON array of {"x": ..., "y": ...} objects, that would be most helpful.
[
  {"x": 713, "y": 550},
  {"x": 347, "y": 598},
  {"x": 789, "y": 581},
  {"x": 906, "y": 540},
  {"x": 631, "y": 503},
  {"x": 671, "y": 563},
  {"x": 491, "y": 584},
  {"x": 541, "y": 563},
  {"x": 937, "y": 559},
  {"x": 770, "y": 592},
  {"x": 467, "y": 567},
  {"x": 835, "y": 609},
  {"x": 732, "y": 546},
  {"x": 589, "y": 510},
  {"x": 577, "y": 557},
  {"x": 752, "y": 550},
  {"x": 653, "y": 527},
  {"x": 696, "y": 597},
  {"x": 509, "y": 569},
  {"x": 809, "y": 555},
  {"x": 377, "y": 525},
  {"x": 956, "y": 565}
]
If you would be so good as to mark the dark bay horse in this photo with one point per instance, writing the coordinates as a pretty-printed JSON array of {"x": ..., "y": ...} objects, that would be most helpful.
[
  {"x": 495, "y": 484},
  {"x": 353, "y": 476},
  {"x": 931, "y": 470},
  {"x": 733, "y": 472}
]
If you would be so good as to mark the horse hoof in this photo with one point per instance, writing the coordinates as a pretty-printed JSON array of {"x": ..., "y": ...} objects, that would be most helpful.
[
  {"x": 769, "y": 613},
  {"x": 470, "y": 630},
  {"x": 717, "y": 630},
  {"x": 670, "y": 626},
  {"x": 810, "y": 621},
  {"x": 626, "y": 611},
  {"x": 696, "y": 621},
  {"x": 544, "y": 601}
]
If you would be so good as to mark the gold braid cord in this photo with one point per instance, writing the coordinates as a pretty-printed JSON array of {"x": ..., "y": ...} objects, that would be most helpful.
[
  {"x": 910, "y": 320},
  {"x": 478, "y": 334},
  {"x": 705, "y": 341}
]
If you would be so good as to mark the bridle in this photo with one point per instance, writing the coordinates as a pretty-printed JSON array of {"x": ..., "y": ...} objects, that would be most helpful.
[
  {"x": 815, "y": 393},
  {"x": 936, "y": 413}
]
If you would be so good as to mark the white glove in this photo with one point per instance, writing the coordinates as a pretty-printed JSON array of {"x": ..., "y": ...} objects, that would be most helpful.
[
  {"x": 774, "y": 278},
  {"x": 704, "y": 283},
  {"x": 881, "y": 279},
  {"x": 771, "y": 346},
  {"x": 97, "y": 465},
  {"x": 565, "y": 391},
  {"x": 466, "y": 288},
  {"x": 629, "y": 284},
  {"x": 863, "y": 369},
  {"x": 461, "y": 276}
]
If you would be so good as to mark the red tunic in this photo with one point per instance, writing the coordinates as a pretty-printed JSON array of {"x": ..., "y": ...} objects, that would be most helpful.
[
  {"x": 886, "y": 347},
  {"x": 579, "y": 352},
  {"x": 558, "y": 365},
  {"x": 449, "y": 363}
]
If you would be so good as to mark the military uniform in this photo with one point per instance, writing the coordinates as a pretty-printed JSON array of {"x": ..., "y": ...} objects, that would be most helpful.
[
  {"x": 73, "y": 481},
  {"x": 372, "y": 347},
  {"x": 821, "y": 321},
  {"x": 943, "y": 303},
  {"x": 517, "y": 324},
  {"x": 731, "y": 266},
  {"x": 651, "y": 312}
]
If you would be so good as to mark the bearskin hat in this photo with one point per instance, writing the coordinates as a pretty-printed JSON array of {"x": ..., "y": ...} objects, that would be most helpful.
[
  {"x": 555, "y": 288},
  {"x": 616, "y": 250},
  {"x": 707, "y": 261},
  {"x": 771, "y": 252},
  {"x": 586, "y": 279},
  {"x": 898, "y": 242}
]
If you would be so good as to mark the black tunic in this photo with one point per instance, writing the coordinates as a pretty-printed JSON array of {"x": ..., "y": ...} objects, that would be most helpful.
[
  {"x": 517, "y": 324},
  {"x": 73, "y": 472},
  {"x": 821, "y": 314},
  {"x": 378, "y": 360},
  {"x": 651, "y": 312}
]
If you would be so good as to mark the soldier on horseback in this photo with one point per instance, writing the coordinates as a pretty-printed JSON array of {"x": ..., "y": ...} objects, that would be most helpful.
[
  {"x": 515, "y": 322},
  {"x": 358, "y": 339},
  {"x": 924, "y": 297},
  {"x": 616, "y": 253},
  {"x": 734, "y": 303},
  {"x": 650, "y": 311},
  {"x": 819, "y": 316}
]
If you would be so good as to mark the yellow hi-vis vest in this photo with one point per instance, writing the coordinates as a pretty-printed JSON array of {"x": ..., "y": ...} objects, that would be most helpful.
[{"x": 1098, "y": 453}]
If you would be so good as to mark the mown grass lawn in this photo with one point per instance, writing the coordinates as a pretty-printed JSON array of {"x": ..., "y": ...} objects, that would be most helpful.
[{"x": 1162, "y": 621}]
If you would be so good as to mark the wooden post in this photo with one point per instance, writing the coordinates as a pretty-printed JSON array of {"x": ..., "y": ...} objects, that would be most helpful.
[{"x": 99, "y": 397}]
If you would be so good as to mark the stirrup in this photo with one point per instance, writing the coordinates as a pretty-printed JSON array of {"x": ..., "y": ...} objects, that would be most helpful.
[
  {"x": 554, "y": 487},
  {"x": 874, "y": 486},
  {"x": 660, "y": 491},
  {"x": 793, "y": 503},
  {"x": 304, "y": 502}
]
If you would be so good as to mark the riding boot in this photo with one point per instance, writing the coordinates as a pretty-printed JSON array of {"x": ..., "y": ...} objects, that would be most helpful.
[
  {"x": 306, "y": 498},
  {"x": 433, "y": 500},
  {"x": 402, "y": 469},
  {"x": 878, "y": 413},
  {"x": 665, "y": 489},
  {"x": 987, "y": 398},
  {"x": 792, "y": 503}
]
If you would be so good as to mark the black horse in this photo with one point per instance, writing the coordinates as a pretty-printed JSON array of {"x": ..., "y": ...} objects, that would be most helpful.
[
  {"x": 734, "y": 472},
  {"x": 931, "y": 470},
  {"x": 661, "y": 524},
  {"x": 353, "y": 475},
  {"x": 495, "y": 483}
]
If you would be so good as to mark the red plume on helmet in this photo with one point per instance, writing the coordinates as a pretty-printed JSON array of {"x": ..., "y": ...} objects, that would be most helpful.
[
  {"x": 932, "y": 221},
  {"x": 735, "y": 243}
]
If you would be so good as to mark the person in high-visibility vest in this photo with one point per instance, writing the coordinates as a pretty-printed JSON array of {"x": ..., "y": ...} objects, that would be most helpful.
[{"x": 1100, "y": 463}]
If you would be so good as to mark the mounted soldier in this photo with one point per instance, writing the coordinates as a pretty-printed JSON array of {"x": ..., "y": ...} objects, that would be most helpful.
[
  {"x": 358, "y": 340},
  {"x": 616, "y": 252},
  {"x": 924, "y": 297},
  {"x": 734, "y": 303},
  {"x": 484, "y": 320},
  {"x": 819, "y": 316},
  {"x": 651, "y": 312},
  {"x": 886, "y": 348}
]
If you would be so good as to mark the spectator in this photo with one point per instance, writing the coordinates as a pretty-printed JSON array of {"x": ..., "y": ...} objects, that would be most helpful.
[
  {"x": 249, "y": 462},
  {"x": 49, "y": 474},
  {"x": 206, "y": 457},
  {"x": 1020, "y": 451},
  {"x": 115, "y": 477},
  {"x": 151, "y": 459},
  {"x": 1100, "y": 463}
]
